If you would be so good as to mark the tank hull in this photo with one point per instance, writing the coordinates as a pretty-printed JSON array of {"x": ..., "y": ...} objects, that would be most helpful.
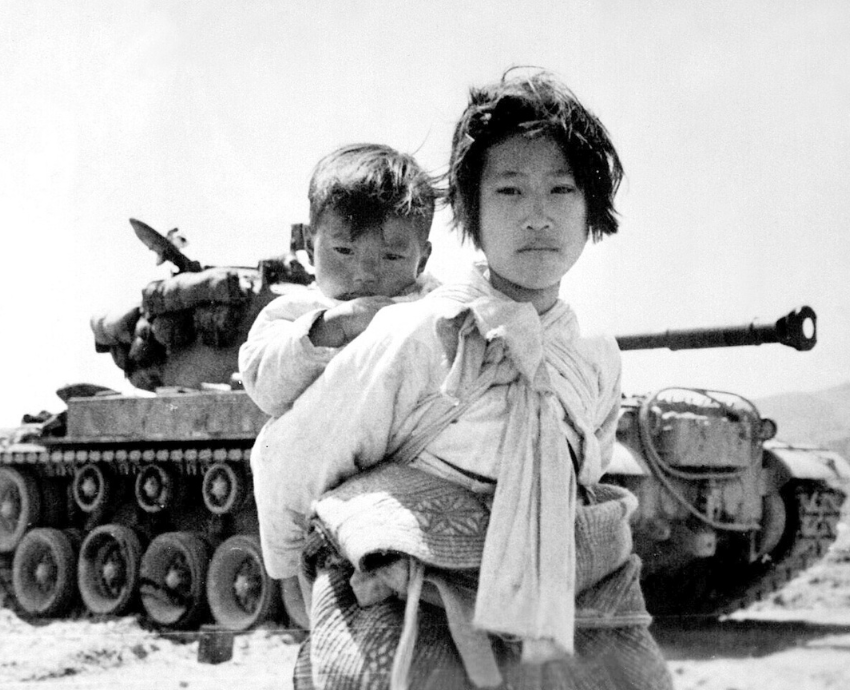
[
  {"x": 154, "y": 497},
  {"x": 725, "y": 517},
  {"x": 158, "y": 488}
]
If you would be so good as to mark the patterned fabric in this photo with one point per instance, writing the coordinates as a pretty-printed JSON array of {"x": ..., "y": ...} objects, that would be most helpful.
[
  {"x": 352, "y": 648},
  {"x": 396, "y": 508},
  {"x": 402, "y": 509}
]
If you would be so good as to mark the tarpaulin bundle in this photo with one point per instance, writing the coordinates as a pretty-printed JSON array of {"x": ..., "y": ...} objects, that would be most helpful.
[
  {"x": 217, "y": 324},
  {"x": 187, "y": 328},
  {"x": 145, "y": 351},
  {"x": 188, "y": 290},
  {"x": 175, "y": 329},
  {"x": 115, "y": 326}
]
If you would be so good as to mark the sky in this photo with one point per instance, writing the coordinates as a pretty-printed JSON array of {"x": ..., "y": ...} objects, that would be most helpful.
[{"x": 732, "y": 120}]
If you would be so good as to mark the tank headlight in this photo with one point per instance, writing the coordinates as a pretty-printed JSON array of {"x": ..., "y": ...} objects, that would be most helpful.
[{"x": 767, "y": 429}]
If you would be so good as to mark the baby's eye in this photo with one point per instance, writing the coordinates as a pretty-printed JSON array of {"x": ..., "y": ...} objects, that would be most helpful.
[
  {"x": 393, "y": 257},
  {"x": 508, "y": 191},
  {"x": 345, "y": 251}
]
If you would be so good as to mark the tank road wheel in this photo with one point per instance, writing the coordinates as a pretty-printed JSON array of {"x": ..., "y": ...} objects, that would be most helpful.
[
  {"x": 20, "y": 507},
  {"x": 174, "y": 570},
  {"x": 43, "y": 572},
  {"x": 774, "y": 521},
  {"x": 156, "y": 488},
  {"x": 240, "y": 593},
  {"x": 91, "y": 488},
  {"x": 224, "y": 488},
  {"x": 108, "y": 569}
]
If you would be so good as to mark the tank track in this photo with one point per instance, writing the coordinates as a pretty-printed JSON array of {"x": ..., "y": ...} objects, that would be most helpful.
[
  {"x": 818, "y": 514},
  {"x": 726, "y": 586},
  {"x": 7, "y": 596},
  {"x": 189, "y": 459}
]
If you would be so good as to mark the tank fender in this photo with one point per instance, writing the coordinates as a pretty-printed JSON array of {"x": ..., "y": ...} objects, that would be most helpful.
[
  {"x": 624, "y": 461},
  {"x": 784, "y": 462}
]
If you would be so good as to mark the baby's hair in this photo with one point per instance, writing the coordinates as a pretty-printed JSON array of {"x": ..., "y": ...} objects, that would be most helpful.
[
  {"x": 532, "y": 106},
  {"x": 367, "y": 183}
]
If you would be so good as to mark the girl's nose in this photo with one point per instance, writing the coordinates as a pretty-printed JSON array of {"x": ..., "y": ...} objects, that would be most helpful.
[{"x": 537, "y": 216}]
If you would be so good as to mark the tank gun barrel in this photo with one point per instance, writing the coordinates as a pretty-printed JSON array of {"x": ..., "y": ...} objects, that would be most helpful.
[{"x": 797, "y": 329}]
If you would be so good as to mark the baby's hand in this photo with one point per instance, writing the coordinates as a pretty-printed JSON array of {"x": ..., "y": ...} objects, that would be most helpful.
[{"x": 341, "y": 324}]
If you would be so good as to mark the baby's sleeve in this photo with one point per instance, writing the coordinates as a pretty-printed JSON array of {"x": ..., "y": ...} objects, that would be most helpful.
[
  {"x": 278, "y": 362},
  {"x": 340, "y": 425}
]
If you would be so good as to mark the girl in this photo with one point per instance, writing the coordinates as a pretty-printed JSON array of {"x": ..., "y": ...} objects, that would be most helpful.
[{"x": 473, "y": 428}]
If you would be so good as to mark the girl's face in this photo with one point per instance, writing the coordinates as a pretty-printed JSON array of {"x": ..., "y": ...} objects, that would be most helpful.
[{"x": 533, "y": 218}]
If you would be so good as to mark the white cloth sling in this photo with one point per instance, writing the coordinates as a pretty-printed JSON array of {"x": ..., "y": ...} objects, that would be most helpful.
[{"x": 527, "y": 581}]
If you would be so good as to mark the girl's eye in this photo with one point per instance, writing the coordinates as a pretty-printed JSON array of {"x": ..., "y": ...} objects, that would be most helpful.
[
  {"x": 508, "y": 191},
  {"x": 563, "y": 189},
  {"x": 345, "y": 251},
  {"x": 393, "y": 257}
]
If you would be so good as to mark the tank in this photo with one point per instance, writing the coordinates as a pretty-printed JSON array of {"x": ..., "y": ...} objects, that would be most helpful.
[
  {"x": 142, "y": 505},
  {"x": 727, "y": 515}
]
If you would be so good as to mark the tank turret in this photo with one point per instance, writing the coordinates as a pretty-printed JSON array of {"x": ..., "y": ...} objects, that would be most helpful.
[
  {"x": 186, "y": 330},
  {"x": 726, "y": 514}
]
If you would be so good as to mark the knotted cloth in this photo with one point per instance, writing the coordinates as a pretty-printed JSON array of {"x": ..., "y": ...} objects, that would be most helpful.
[{"x": 527, "y": 582}]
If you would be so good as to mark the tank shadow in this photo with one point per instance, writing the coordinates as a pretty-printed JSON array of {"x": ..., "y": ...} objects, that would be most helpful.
[{"x": 705, "y": 639}]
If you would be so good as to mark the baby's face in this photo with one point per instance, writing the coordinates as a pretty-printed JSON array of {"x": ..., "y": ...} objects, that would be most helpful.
[{"x": 385, "y": 260}]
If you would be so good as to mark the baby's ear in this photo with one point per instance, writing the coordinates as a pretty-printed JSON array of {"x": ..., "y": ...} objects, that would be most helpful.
[
  {"x": 426, "y": 253},
  {"x": 308, "y": 242}
]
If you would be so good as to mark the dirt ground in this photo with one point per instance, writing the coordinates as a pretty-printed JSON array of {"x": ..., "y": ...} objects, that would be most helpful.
[{"x": 798, "y": 640}]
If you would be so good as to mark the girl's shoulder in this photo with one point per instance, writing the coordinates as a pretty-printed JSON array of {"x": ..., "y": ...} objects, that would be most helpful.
[
  {"x": 417, "y": 319},
  {"x": 602, "y": 346},
  {"x": 603, "y": 354},
  {"x": 599, "y": 350}
]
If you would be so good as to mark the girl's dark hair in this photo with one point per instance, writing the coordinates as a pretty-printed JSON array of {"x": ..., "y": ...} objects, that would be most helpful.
[{"x": 533, "y": 106}]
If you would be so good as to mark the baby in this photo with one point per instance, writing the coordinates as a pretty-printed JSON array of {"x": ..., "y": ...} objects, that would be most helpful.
[{"x": 371, "y": 209}]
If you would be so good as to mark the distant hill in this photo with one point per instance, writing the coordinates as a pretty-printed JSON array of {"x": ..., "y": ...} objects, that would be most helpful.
[{"x": 822, "y": 417}]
